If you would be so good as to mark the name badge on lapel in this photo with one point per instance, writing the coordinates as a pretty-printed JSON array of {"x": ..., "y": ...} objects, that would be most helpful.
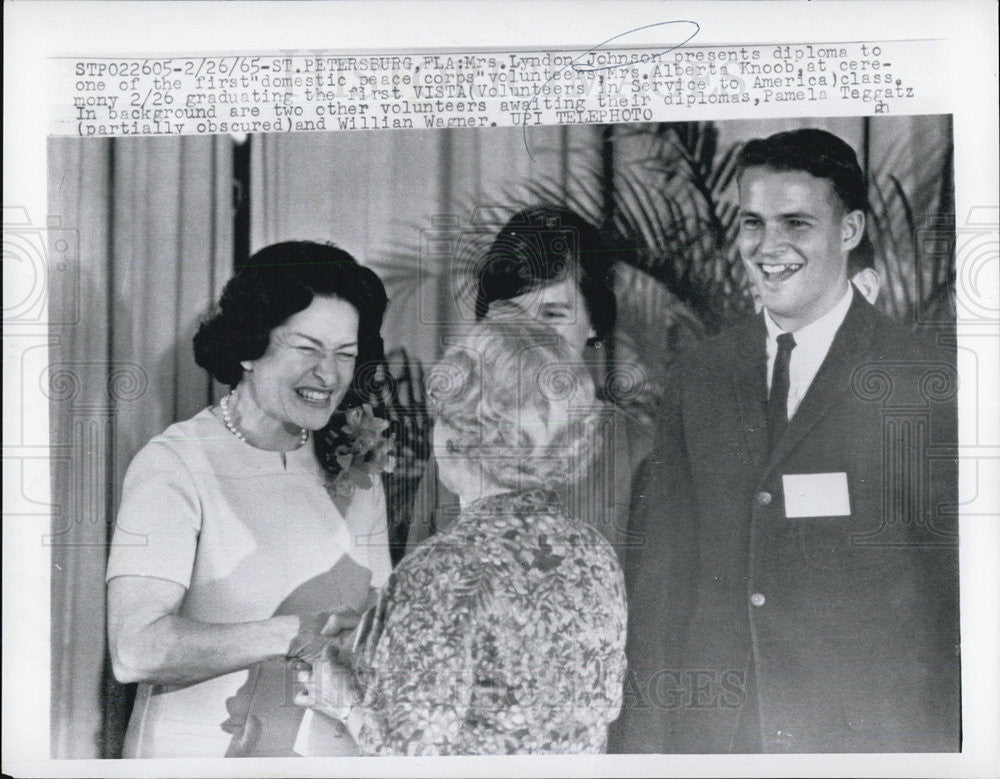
[{"x": 816, "y": 495}]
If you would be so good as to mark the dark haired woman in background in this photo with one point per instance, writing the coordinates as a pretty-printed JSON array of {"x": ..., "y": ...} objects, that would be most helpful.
[
  {"x": 230, "y": 557},
  {"x": 551, "y": 266}
]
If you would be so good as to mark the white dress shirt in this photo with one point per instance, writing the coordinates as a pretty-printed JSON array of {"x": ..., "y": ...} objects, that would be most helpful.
[{"x": 812, "y": 342}]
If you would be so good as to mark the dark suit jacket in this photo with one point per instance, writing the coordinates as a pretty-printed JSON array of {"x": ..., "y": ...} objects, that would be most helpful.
[{"x": 826, "y": 634}]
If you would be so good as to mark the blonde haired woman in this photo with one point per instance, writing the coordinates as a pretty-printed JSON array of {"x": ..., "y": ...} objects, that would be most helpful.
[{"x": 505, "y": 632}]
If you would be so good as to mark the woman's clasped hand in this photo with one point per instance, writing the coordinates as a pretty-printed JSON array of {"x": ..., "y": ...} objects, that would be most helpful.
[{"x": 319, "y": 632}]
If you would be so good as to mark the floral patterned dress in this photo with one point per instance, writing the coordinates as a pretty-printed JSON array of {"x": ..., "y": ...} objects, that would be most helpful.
[{"x": 503, "y": 634}]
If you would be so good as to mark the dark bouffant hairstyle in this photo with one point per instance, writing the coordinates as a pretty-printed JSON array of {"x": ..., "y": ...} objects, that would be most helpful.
[
  {"x": 818, "y": 152},
  {"x": 281, "y": 280},
  {"x": 542, "y": 245}
]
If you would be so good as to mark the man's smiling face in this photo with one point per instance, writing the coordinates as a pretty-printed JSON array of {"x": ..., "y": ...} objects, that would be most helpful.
[{"x": 795, "y": 235}]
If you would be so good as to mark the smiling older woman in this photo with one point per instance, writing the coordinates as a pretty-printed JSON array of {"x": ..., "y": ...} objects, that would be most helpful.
[{"x": 229, "y": 554}]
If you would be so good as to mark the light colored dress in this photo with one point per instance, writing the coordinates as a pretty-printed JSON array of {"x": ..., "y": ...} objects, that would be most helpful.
[
  {"x": 502, "y": 634},
  {"x": 250, "y": 534}
]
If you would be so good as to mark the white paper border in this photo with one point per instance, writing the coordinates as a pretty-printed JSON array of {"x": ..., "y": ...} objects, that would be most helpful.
[{"x": 34, "y": 31}]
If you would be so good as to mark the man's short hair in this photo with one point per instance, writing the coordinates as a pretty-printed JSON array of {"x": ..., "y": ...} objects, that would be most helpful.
[{"x": 817, "y": 152}]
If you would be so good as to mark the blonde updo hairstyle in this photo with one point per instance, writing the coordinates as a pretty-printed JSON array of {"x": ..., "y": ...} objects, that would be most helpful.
[{"x": 515, "y": 401}]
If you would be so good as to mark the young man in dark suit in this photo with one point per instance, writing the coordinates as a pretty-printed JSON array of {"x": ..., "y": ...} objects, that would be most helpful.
[{"x": 798, "y": 591}]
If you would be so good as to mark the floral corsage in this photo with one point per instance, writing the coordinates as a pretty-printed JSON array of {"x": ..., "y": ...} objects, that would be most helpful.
[{"x": 356, "y": 451}]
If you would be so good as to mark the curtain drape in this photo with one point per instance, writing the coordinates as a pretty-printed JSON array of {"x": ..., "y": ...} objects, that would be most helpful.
[{"x": 152, "y": 218}]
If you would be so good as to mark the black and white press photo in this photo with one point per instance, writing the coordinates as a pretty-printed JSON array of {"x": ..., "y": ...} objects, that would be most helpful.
[
  {"x": 527, "y": 389},
  {"x": 409, "y": 445}
]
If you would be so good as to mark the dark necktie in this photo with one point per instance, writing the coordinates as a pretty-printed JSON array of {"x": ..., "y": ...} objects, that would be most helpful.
[{"x": 777, "y": 402}]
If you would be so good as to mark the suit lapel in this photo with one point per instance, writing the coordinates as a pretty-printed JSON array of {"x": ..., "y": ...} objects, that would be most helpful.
[
  {"x": 833, "y": 379},
  {"x": 750, "y": 385}
]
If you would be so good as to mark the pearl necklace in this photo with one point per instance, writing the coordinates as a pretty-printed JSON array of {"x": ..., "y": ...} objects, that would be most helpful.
[{"x": 224, "y": 405}]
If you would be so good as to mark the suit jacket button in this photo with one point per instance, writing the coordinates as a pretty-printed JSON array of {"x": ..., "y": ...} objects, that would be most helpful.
[
  {"x": 757, "y": 599},
  {"x": 763, "y": 498}
]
